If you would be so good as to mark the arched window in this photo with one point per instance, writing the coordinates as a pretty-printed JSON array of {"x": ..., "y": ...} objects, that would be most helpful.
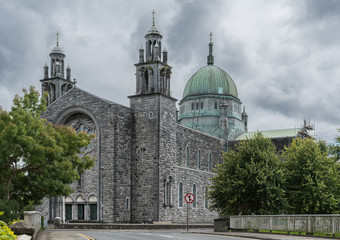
[
  {"x": 187, "y": 157},
  {"x": 199, "y": 159},
  {"x": 209, "y": 161},
  {"x": 180, "y": 195},
  {"x": 215, "y": 106},
  {"x": 192, "y": 106},
  {"x": 195, "y": 195},
  {"x": 201, "y": 105},
  {"x": 167, "y": 195},
  {"x": 206, "y": 203}
]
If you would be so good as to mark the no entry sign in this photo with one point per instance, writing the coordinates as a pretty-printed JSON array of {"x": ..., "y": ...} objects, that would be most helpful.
[{"x": 189, "y": 198}]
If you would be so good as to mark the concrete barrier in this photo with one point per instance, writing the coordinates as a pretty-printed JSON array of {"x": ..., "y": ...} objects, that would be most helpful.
[
  {"x": 310, "y": 224},
  {"x": 33, "y": 217},
  {"x": 221, "y": 225}
]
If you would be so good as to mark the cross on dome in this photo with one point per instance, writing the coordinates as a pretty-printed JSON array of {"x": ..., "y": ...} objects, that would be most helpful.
[
  {"x": 57, "y": 38},
  {"x": 153, "y": 18}
]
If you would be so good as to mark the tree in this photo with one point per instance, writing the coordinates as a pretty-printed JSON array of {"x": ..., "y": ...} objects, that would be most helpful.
[
  {"x": 312, "y": 178},
  {"x": 37, "y": 158},
  {"x": 250, "y": 179}
]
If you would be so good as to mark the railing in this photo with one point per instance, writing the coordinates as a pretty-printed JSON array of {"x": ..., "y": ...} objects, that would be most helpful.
[{"x": 309, "y": 224}]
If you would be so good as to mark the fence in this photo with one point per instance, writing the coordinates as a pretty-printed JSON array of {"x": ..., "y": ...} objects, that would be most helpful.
[{"x": 329, "y": 224}]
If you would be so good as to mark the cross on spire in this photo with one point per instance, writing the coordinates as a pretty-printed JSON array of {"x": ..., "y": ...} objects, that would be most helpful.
[
  {"x": 57, "y": 39},
  {"x": 211, "y": 34},
  {"x": 153, "y": 18}
]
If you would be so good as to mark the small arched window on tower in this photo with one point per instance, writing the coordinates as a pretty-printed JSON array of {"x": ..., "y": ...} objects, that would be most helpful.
[
  {"x": 199, "y": 159},
  {"x": 215, "y": 105},
  {"x": 197, "y": 105},
  {"x": 193, "y": 106},
  {"x": 206, "y": 202},
  {"x": 195, "y": 195},
  {"x": 187, "y": 156},
  {"x": 201, "y": 105},
  {"x": 180, "y": 195},
  {"x": 167, "y": 192}
]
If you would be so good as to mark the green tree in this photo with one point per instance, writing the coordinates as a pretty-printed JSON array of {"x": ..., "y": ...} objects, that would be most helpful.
[
  {"x": 312, "y": 178},
  {"x": 250, "y": 179},
  {"x": 37, "y": 158}
]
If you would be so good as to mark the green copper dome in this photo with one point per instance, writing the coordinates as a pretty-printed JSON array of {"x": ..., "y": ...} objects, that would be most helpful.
[{"x": 210, "y": 79}]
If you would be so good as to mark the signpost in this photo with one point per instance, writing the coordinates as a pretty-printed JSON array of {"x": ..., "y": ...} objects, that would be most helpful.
[{"x": 189, "y": 198}]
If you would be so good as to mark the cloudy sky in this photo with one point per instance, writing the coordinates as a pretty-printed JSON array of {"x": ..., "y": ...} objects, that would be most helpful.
[{"x": 283, "y": 55}]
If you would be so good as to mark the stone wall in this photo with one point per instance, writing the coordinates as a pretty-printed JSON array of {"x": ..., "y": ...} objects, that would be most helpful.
[
  {"x": 145, "y": 158},
  {"x": 167, "y": 158},
  {"x": 112, "y": 146},
  {"x": 198, "y": 144}
]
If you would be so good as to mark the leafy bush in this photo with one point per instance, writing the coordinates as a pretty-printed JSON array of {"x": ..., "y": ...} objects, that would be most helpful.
[{"x": 5, "y": 232}]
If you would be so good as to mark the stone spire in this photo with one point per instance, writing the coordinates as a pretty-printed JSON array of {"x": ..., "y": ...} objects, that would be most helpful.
[
  {"x": 245, "y": 118},
  {"x": 210, "y": 56},
  {"x": 152, "y": 72},
  {"x": 56, "y": 84}
]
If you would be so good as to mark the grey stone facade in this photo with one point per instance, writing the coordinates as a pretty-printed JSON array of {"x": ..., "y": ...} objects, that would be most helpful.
[{"x": 145, "y": 162}]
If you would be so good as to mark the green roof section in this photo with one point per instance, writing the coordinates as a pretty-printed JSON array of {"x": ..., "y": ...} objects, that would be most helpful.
[
  {"x": 210, "y": 79},
  {"x": 280, "y": 133}
]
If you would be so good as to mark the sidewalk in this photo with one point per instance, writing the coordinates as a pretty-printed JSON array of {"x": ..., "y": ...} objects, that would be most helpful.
[{"x": 264, "y": 236}]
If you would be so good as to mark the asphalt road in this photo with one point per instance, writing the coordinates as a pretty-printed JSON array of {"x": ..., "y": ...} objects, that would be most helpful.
[
  {"x": 151, "y": 235},
  {"x": 129, "y": 235},
  {"x": 180, "y": 234}
]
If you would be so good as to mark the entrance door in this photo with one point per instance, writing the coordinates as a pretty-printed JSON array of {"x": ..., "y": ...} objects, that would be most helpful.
[
  {"x": 93, "y": 211},
  {"x": 68, "y": 211},
  {"x": 80, "y": 211}
]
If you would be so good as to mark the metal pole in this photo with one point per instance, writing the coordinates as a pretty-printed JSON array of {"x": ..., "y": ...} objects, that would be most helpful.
[
  {"x": 63, "y": 209},
  {"x": 102, "y": 195},
  {"x": 187, "y": 217}
]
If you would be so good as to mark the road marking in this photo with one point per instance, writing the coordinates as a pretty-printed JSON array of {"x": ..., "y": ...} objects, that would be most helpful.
[
  {"x": 166, "y": 236},
  {"x": 85, "y": 236}
]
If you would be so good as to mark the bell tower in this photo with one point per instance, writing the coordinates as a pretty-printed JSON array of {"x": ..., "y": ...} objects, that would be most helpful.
[
  {"x": 154, "y": 130},
  {"x": 57, "y": 84},
  {"x": 152, "y": 72}
]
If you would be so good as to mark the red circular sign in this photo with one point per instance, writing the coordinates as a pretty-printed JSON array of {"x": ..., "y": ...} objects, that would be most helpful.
[{"x": 189, "y": 198}]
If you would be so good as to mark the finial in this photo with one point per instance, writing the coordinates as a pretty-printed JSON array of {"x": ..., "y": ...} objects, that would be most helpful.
[
  {"x": 210, "y": 56},
  {"x": 153, "y": 18},
  {"x": 57, "y": 39}
]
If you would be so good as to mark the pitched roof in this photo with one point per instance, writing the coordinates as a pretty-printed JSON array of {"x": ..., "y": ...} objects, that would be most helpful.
[{"x": 279, "y": 133}]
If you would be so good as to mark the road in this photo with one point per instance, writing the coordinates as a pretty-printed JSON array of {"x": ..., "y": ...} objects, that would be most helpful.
[
  {"x": 153, "y": 235},
  {"x": 176, "y": 234},
  {"x": 130, "y": 235}
]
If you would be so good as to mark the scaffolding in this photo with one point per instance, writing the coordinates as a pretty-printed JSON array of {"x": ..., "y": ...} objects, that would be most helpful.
[{"x": 307, "y": 130}]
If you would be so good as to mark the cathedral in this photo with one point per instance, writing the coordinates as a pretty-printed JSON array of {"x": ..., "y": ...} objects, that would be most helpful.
[{"x": 148, "y": 156}]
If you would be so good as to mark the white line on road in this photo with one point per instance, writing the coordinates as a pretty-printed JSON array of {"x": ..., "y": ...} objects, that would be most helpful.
[{"x": 166, "y": 236}]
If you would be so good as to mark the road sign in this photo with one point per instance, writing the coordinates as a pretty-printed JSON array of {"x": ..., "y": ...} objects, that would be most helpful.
[{"x": 189, "y": 198}]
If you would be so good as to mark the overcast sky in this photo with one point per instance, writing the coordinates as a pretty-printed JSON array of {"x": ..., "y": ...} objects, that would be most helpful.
[{"x": 283, "y": 55}]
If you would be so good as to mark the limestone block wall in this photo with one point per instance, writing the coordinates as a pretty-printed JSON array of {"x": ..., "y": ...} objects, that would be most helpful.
[
  {"x": 167, "y": 157},
  {"x": 110, "y": 179},
  {"x": 196, "y": 169},
  {"x": 145, "y": 158}
]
